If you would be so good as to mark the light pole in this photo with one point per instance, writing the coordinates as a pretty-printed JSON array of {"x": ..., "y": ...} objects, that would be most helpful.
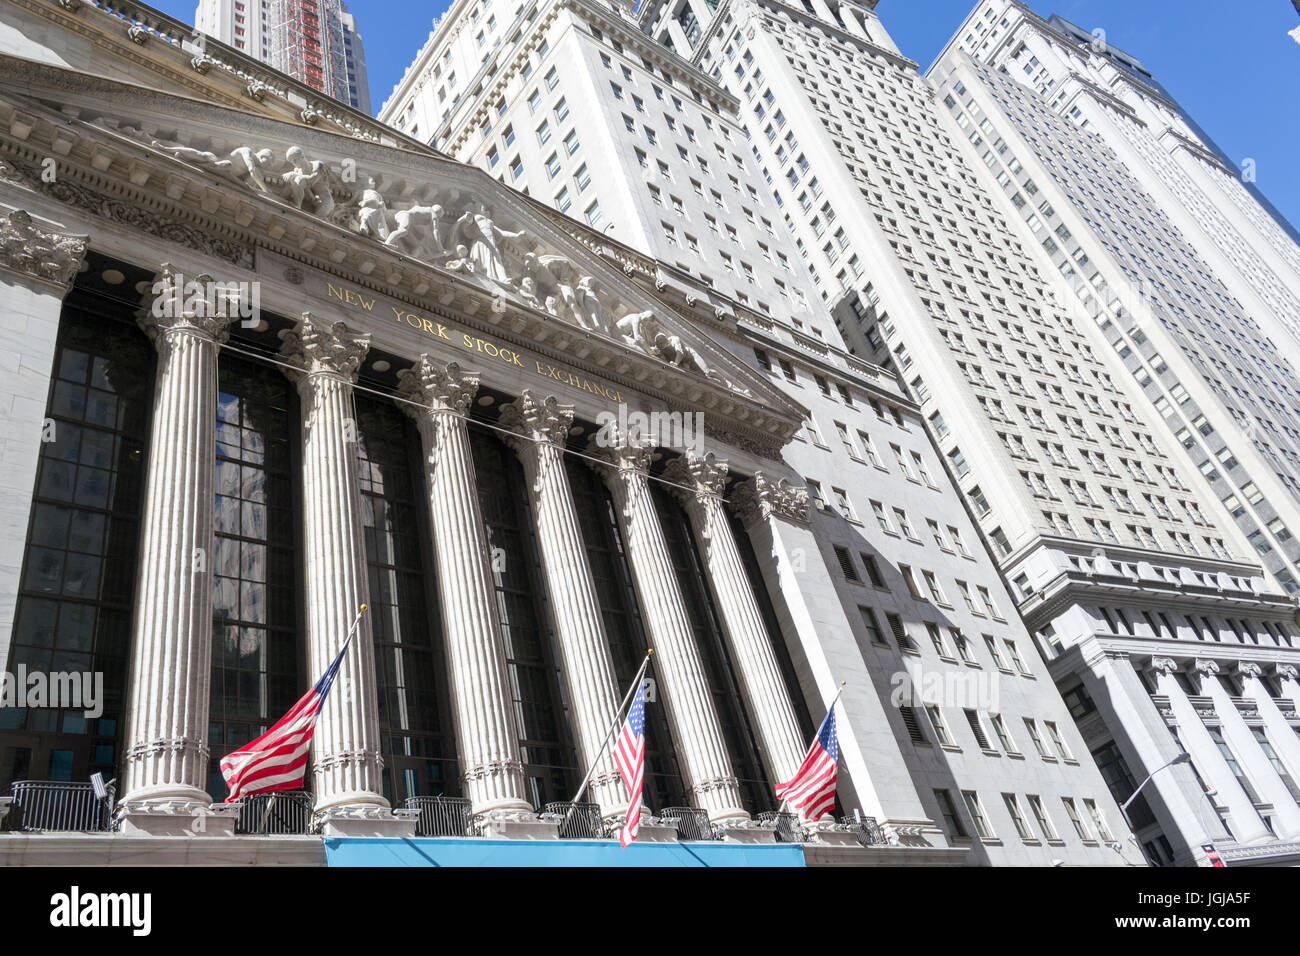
[{"x": 1123, "y": 807}]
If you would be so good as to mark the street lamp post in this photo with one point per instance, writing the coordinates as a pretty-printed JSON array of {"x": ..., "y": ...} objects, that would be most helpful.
[{"x": 1123, "y": 807}]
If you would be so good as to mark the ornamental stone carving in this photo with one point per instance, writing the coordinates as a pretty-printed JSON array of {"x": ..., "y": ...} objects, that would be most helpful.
[
  {"x": 177, "y": 303},
  {"x": 535, "y": 419},
  {"x": 1164, "y": 665},
  {"x": 1206, "y": 667},
  {"x": 1249, "y": 669},
  {"x": 316, "y": 347},
  {"x": 446, "y": 227},
  {"x": 1287, "y": 672},
  {"x": 27, "y": 248},
  {"x": 761, "y": 498},
  {"x": 438, "y": 387}
]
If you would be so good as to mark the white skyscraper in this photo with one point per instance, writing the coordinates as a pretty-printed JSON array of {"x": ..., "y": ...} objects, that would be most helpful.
[
  {"x": 574, "y": 104},
  {"x": 1100, "y": 523}
]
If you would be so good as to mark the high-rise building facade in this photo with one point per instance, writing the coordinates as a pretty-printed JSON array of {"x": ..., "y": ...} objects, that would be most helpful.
[
  {"x": 314, "y": 41},
  {"x": 1076, "y": 485},
  {"x": 354, "y": 52},
  {"x": 576, "y": 105}
]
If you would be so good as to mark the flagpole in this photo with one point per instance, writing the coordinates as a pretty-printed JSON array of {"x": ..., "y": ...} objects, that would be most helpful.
[
  {"x": 618, "y": 721},
  {"x": 834, "y": 701}
]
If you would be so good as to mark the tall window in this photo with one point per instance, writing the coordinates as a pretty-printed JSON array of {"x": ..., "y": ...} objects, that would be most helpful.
[
  {"x": 256, "y": 640},
  {"x": 550, "y": 762},
  {"x": 79, "y": 569},
  {"x": 414, "y": 720},
  {"x": 624, "y": 628},
  {"x": 736, "y": 729}
]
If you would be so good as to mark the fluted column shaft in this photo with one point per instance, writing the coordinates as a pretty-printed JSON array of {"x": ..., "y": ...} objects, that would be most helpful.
[
  {"x": 542, "y": 427},
  {"x": 166, "y": 753},
  {"x": 702, "y": 482},
  {"x": 1284, "y": 740},
  {"x": 697, "y": 732},
  {"x": 486, "y": 736},
  {"x": 1258, "y": 768},
  {"x": 1246, "y": 821},
  {"x": 346, "y": 761}
]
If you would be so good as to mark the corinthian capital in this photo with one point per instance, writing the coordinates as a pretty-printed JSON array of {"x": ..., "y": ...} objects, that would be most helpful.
[
  {"x": 538, "y": 419},
  {"x": 317, "y": 347},
  {"x": 761, "y": 498},
  {"x": 27, "y": 248},
  {"x": 177, "y": 304},
  {"x": 438, "y": 387},
  {"x": 699, "y": 476}
]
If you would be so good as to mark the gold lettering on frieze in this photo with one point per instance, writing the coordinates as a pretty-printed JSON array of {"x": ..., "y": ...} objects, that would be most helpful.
[{"x": 473, "y": 343}]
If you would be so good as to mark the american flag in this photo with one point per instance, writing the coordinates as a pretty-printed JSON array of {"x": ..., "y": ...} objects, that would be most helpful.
[
  {"x": 277, "y": 760},
  {"x": 812, "y": 788},
  {"x": 629, "y": 757}
]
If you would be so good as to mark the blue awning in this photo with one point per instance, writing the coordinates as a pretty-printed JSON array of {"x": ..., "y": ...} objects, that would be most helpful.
[{"x": 456, "y": 851}]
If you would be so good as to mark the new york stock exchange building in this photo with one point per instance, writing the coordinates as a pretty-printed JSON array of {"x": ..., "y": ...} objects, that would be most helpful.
[{"x": 268, "y": 361}]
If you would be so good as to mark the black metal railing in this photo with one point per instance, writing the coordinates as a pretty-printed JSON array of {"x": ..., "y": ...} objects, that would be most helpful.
[
  {"x": 55, "y": 805},
  {"x": 787, "y": 825},
  {"x": 578, "y": 821},
  {"x": 283, "y": 813},
  {"x": 441, "y": 816},
  {"x": 868, "y": 830},
  {"x": 691, "y": 823}
]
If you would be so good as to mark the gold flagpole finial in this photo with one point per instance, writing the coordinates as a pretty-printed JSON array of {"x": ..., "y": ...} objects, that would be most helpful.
[{"x": 364, "y": 607}]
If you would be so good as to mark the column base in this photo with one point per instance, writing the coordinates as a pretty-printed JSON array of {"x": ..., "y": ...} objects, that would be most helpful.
[
  {"x": 748, "y": 831},
  {"x": 178, "y": 818},
  {"x": 515, "y": 825},
  {"x": 365, "y": 820},
  {"x": 352, "y": 799},
  {"x": 729, "y": 816},
  {"x": 651, "y": 831}
]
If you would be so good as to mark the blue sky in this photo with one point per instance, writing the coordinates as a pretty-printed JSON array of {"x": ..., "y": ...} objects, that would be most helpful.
[{"x": 1231, "y": 65}]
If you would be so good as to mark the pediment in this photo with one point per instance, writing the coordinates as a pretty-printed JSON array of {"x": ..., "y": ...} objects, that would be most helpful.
[{"x": 388, "y": 212}]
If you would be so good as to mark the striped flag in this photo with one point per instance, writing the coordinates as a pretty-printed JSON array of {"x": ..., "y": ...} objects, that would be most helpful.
[
  {"x": 812, "y": 788},
  {"x": 277, "y": 760},
  {"x": 629, "y": 757}
]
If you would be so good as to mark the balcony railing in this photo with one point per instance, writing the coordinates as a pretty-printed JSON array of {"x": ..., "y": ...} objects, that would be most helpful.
[
  {"x": 578, "y": 821},
  {"x": 691, "y": 823},
  {"x": 868, "y": 830},
  {"x": 441, "y": 816},
  {"x": 787, "y": 825},
  {"x": 48, "y": 805},
  {"x": 283, "y": 813}
]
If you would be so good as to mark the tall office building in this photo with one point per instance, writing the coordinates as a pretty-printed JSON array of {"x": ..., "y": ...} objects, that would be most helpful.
[
  {"x": 1098, "y": 520},
  {"x": 1074, "y": 152},
  {"x": 354, "y": 52},
  {"x": 574, "y": 104},
  {"x": 314, "y": 41}
]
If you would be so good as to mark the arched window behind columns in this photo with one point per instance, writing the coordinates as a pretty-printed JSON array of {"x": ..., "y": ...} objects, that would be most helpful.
[
  {"x": 76, "y": 591},
  {"x": 736, "y": 728},
  {"x": 550, "y": 762},
  {"x": 623, "y": 627},
  {"x": 415, "y": 722}
]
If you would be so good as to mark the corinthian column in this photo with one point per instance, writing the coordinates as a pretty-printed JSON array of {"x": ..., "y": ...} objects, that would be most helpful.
[
  {"x": 701, "y": 482},
  {"x": 166, "y": 752},
  {"x": 486, "y": 737},
  {"x": 541, "y": 428},
  {"x": 697, "y": 732},
  {"x": 345, "y": 749}
]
